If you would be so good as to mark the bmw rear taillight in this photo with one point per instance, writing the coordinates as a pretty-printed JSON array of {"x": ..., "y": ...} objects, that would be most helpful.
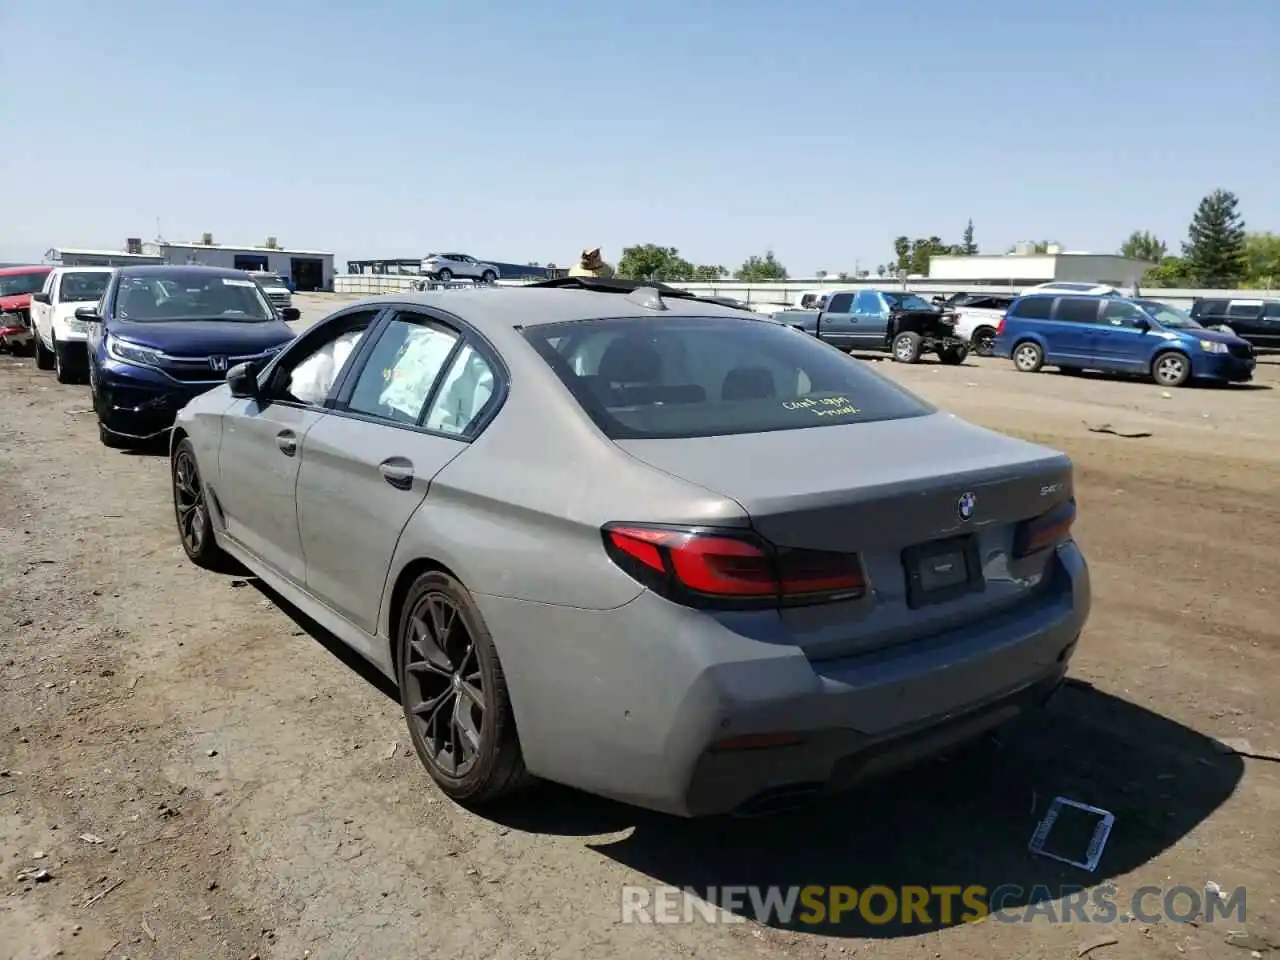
[
  {"x": 1045, "y": 531},
  {"x": 701, "y": 567},
  {"x": 1000, "y": 325}
]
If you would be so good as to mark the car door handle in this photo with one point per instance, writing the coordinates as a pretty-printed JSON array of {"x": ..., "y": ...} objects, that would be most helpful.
[
  {"x": 287, "y": 441},
  {"x": 397, "y": 471}
]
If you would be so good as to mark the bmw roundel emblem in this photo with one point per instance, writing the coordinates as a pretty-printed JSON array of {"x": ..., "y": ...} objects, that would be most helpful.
[{"x": 966, "y": 505}]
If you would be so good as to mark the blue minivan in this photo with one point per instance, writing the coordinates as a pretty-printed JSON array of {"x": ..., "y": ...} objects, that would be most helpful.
[{"x": 1119, "y": 335}]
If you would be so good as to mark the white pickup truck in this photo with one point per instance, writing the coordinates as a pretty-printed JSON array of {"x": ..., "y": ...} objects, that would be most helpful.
[{"x": 58, "y": 336}]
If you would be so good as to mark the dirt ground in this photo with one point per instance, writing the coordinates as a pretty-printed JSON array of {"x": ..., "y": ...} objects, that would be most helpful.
[{"x": 202, "y": 776}]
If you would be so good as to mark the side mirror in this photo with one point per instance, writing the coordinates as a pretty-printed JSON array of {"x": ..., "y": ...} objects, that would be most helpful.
[
  {"x": 243, "y": 381},
  {"x": 40, "y": 298},
  {"x": 1142, "y": 324},
  {"x": 86, "y": 314},
  {"x": 290, "y": 314}
]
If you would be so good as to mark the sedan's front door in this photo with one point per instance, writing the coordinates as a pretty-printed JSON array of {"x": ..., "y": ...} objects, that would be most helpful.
[
  {"x": 369, "y": 465},
  {"x": 258, "y": 470},
  {"x": 261, "y": 446}
]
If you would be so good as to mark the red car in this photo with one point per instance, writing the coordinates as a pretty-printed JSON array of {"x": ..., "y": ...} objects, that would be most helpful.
[{"x": 17, "y": 284}]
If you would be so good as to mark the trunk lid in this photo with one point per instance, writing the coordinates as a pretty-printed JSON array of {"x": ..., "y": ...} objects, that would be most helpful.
[{"x": 879, "y": 490}]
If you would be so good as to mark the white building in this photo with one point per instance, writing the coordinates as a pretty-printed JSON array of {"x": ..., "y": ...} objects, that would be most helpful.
[
  {"x": 308, "y": 269},
  {"x": 74, "y": 257},
  {"x": 1026, "y": 268}
]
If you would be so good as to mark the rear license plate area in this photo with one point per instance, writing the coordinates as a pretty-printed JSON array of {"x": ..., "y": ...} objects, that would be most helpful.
[{"x": 942, "y": 570}]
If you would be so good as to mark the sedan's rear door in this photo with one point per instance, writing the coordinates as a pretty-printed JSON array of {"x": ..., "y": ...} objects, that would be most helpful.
[{"x": 408, "y": 408}]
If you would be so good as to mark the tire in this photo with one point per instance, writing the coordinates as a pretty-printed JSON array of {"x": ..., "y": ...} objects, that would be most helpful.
[
  {"x": 1171, "y": 369},
  {"x": 191, "y": 510},
  {"x": 1028, "y": 357},
  {"x": 906, "y": 347},
  {"x": 44, "y": 356},
  {"x": 113, "y": 441},
  {"x": 489, "y": 277},
  {"x": 445, "y": 275},
  {"x": 984, "y": 341},
  {"x": 446, "y": 657},
  {"x": 62, "y": 371},
  {"x": 953, "y": 356}
]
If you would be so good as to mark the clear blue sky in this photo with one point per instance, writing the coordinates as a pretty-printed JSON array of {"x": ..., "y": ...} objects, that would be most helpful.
[{"x": 522, "y": 131}]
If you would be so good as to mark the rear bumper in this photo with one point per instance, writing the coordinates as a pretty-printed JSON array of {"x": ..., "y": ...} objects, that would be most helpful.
[
  {"x": 628, "y": 703},
  {"x": 140, "y": 403}
]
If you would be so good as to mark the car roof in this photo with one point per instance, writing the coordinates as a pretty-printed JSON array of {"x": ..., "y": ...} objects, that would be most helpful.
[
  {"x": 87, "y": 268},
  {"x": 19, "y": 271},
  {"x": 536, "y": 305},
  {"x": 162, "y": 270}
]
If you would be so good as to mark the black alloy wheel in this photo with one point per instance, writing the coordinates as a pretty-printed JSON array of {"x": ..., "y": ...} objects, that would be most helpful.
[
  {"x": 195, "y": 527},
  {"x": 454, "y": 694}
]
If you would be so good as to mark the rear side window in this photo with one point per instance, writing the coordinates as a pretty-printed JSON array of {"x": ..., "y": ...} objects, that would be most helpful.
[
  {"x": 1076, "y": 310},
  {"x": 1272, "y": 309},
  {"x": 1033, "y": 308},
  {"x": 677, "y": 377}
]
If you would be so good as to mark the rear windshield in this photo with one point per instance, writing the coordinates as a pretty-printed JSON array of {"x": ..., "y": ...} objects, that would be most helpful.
[{"x": 645, "y": 377}]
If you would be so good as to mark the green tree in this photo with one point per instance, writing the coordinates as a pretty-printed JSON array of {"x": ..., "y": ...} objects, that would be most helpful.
[
  {"x": 1143, "y": 245},
  {"x": 1172, "y": 272},
  {"x": 842, "y": 275},
  {"x": 967, "y": 246},
  {"x": 1262, "y": 260},
  {"x": 648, "y": 261},
  {"x": 922, "y": 251},
  {"x": 1215, "y": 246},
  {"x": 707, "y": 273},
  {"x": 902, "y": 253},
  {"x": 767, "y": 267}
]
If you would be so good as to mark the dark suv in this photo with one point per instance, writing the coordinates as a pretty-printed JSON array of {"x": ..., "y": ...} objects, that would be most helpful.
[{"x": 1257, "y": 321}]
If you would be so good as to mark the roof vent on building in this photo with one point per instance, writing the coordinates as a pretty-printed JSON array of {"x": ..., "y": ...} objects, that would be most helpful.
[
  {"x": 133, "y": 245},
  {"x": 1024, "y": 249},
  {"x": 206, "y": 239},
  {"x": 271, "y": 243},
  {"x": 1053, "y": 248}
]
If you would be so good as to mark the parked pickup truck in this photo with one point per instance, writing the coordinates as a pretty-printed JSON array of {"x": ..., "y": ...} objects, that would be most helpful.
[{"x": 904, "y": 324}]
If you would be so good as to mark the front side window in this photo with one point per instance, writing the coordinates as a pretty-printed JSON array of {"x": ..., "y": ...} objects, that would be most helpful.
[
  {"x": 311, "y": 378},
  {"x": 1244, "y": 311},
  {"x": 1122, "y": 314},
  {"x": 190, "y": 295},
  {"x": 83, "y": 286},
  {"x": 1168, "y": 316},
  {"x": 678, "y": 377},
  {"x": 867, "y": 304},
  {"x": 401, "y": 370}
]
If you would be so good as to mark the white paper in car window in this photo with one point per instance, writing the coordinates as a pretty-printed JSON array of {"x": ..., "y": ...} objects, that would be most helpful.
[
  {"x": 410, "y": 378},
  {"x": 228, "y": 282}
]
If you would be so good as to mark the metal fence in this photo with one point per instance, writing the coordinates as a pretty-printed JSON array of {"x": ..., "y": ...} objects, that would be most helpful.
[{"x": 788, "y": 292}]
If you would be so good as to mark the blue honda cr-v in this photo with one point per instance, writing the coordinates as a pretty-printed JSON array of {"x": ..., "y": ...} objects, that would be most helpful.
[
  {"x": 161, "y": 335},
  {"x": 1120, "y": 335}
]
